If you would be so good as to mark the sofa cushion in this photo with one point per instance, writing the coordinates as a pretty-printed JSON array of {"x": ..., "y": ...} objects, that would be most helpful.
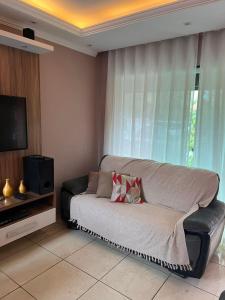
[
  {"x": 169, "y": 185},
  {"x": 92, "y": 183},
  {"x": 126, "y": 189},
  {"x": 105, "y": 185}
]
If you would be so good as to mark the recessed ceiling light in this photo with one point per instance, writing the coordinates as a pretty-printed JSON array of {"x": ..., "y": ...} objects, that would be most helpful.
[{"x": 187, "y": 23}]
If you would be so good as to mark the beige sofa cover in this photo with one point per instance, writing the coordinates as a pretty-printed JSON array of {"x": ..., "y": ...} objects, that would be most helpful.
[{"x": 153, "y": 229}]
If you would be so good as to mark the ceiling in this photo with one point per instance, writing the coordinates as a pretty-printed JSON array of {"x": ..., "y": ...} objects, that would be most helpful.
[
  {"x": 93, "y": 26},
  {"x": 83, "y": 14}
]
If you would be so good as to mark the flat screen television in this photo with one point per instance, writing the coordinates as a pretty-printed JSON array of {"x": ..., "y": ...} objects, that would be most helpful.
[{"x": 13, "y": 123}]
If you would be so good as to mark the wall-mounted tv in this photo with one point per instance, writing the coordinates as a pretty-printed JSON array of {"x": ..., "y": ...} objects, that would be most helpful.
[{"x": 13, "y": 123}]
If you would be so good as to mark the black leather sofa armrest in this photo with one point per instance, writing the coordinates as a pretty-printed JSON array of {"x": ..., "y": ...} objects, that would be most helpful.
[
  {"x": 69, "y": 189},
  {"x": 77, "y": 185},
  {"x": 205, "y": 220}
]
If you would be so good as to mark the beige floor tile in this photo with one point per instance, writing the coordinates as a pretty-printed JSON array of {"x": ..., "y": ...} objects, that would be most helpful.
[
  {"x": 46, "y": 232},
  {"x": 96, "y": 258},
  {"x": 37, "y": 236},
  {"x": 6, "y": 285},
  {"x": 65, "y": 242},
  {"x": 28, "y": 263},
  {"x": 151, "y": 264},
  {"x": 213, "y": 281},
  {"x": 55, "y": 227},
  {"x": 14, "y": 247},
  {"x": 19, "y": 294},
  {"x": 135, "y": 279},
  {"x": 101, "y": 291},
  {"x": 62, "y": 282},
  {"x": 177, "y": 289}
]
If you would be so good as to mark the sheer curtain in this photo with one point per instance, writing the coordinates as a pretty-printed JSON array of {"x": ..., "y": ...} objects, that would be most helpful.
[
  {"x": 210, "y": 128},
  {"x": 149, "y": 91}
]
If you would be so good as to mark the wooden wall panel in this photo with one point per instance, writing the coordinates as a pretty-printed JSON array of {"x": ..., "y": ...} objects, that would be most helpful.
[{"x": 19, "y": 76}]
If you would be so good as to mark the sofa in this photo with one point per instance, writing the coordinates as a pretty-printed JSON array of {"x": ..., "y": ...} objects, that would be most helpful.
[
  {"x": 222, "y": 296},
  {"x": 203, "y": 228}
]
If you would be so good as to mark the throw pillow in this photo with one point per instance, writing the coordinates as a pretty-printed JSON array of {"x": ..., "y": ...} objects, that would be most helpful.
[
  {"x": 92, "y": 183},
  {"x": 126, "y": 189},
  {"x": 105, "y": 185}
]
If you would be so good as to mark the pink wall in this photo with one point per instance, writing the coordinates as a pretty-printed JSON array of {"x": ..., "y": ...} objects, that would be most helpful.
[
  {"x": 101, "y": 76},
  {"x": 68, "y": 112}
]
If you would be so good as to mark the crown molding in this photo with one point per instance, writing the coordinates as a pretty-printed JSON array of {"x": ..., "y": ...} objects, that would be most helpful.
[
  {"x": 109, "y": 25},
  {"x": 40, "y": 15},
  {"x": 144, "y": 15},
  {"x": 9, "y": 23},
  {"x": 72, "y": 45},
  {"x": 50, "y": 37}
]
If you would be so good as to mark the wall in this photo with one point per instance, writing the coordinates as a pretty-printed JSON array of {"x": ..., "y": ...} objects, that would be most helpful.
[
  {"x": 68, "y": 112},
  {"x": 101, "y": 76}
]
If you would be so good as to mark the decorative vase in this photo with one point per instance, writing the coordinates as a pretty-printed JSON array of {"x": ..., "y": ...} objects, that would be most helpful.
[
  {"x": 7, "y": 190},
  {"x": 22, "y": 188}
]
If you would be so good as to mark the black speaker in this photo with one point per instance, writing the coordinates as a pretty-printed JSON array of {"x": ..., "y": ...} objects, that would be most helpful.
[
  {"x": 28, "y": 33},
  {"x": 38, "y": 174}
]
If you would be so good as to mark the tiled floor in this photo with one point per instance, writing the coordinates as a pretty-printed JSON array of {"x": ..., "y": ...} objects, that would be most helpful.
[{"x": 56, "y": 263}]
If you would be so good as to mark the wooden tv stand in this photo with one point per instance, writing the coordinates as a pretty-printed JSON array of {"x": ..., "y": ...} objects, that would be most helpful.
[{"x": 40, "y": 210}]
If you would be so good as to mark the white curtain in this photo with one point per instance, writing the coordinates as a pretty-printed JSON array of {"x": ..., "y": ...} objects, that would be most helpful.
[
  {"x": 209, "y": 150},
  {"x": 149, "y": 91}
]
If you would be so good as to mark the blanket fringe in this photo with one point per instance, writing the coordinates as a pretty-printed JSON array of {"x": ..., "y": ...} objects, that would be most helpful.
[{"x": 144, "y": 256}]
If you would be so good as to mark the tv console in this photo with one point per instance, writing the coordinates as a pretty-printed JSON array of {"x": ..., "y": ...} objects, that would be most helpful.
[{"x": 19, "y": 218}]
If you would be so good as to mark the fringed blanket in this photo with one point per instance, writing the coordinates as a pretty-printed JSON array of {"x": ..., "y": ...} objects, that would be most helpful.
[
  {"x": 153, "y": 230},
  {"x": 144, "y": 229}
]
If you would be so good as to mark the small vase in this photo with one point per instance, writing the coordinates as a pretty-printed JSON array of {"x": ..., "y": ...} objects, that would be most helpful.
[
  {"x": 22, "y": 188},
  {"x": 7, "y": 190}
]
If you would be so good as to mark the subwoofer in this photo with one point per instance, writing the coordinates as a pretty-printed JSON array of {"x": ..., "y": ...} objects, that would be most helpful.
[{"x": 38, "y": 174}]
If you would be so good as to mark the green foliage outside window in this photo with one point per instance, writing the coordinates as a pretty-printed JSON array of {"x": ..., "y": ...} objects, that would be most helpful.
[{"x": 192, "y": 127}]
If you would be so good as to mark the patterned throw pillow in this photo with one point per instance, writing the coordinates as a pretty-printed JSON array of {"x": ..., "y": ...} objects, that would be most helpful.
[{"x": 126, "y": 189}]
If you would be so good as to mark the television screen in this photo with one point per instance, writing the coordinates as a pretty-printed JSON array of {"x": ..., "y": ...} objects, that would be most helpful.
[{"x": 13, "y": 123}]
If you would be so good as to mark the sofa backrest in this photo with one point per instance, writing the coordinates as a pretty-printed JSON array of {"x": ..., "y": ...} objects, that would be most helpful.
[{"x": 176, "y": 187}]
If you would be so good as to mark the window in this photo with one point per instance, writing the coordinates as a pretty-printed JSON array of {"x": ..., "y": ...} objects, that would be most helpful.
[{"x": 193, "y": 119}]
